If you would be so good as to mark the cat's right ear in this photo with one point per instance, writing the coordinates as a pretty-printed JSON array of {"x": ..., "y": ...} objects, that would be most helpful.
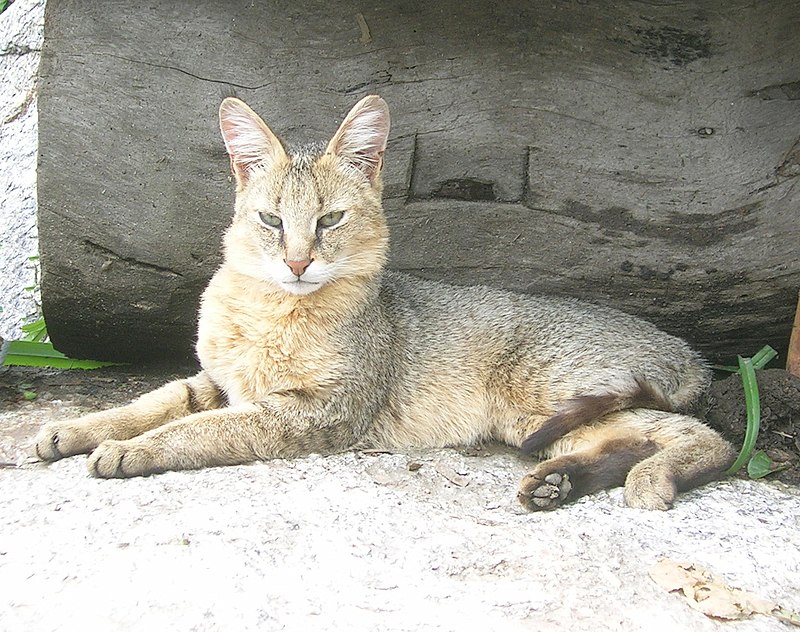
[{"x": 250, "y": 143}]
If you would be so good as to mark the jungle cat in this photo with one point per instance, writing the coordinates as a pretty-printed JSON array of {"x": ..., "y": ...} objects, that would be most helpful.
[{"x": 309, "y": 344}]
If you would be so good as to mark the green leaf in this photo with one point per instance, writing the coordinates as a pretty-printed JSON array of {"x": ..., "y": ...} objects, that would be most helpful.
[
  {"x": 760, "y": 465},
  {"x": 753, "y": 406},
  {"x": 42, "y": 354},
  {"x": 29, "y": 396},
  {"x": 36, "y": 331},
  {"x": 765, "y": 355},
  {"x": 787, "y": 616}
]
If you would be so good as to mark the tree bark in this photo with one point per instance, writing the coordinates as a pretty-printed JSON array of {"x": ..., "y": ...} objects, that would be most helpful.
[{"x": 642, "y": 155}]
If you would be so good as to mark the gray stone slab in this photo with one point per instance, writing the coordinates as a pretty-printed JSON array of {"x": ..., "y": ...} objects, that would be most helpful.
[{"x": 643, "y": 155}]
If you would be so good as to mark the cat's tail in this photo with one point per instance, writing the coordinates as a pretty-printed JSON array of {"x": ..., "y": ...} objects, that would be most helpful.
[{"x": 581, "y": 409}]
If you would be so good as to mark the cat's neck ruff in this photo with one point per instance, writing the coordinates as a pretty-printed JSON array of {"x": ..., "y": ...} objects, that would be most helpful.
[
  {"x": 254, "y": 338},
  {"x": 335, "y": 301}
]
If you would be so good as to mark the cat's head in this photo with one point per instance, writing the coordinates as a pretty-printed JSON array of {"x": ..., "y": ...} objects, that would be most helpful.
[{"x": 307, "y": 219}]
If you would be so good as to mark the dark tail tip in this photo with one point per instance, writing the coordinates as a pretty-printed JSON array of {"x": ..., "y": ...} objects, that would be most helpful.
[{"x": 571, "y": 415}]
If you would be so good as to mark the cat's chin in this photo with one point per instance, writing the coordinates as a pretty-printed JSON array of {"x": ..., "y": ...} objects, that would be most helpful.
[{"x": 299, "y": 287}]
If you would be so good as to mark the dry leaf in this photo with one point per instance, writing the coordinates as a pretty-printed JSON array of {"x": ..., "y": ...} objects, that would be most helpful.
[{"x": 712, "y": 598}]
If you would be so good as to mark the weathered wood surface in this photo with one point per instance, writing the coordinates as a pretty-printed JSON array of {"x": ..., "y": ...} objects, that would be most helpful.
[{"x": 644, "y": 155}]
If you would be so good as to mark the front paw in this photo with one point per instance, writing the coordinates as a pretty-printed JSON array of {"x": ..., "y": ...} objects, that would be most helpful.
[
  {"x": 123, "y": 459},
  {"x": 60, "y": 439}
]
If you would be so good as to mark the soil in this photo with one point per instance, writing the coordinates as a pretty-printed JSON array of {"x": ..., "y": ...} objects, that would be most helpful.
[
  {"x": 779, "y": 437},
  {"x": 97, "y": 388}
]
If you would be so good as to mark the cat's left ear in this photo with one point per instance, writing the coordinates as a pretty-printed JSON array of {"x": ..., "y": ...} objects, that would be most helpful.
[
  {"x": 361, "y": 138},
  {"x": 250, "y": 142}
]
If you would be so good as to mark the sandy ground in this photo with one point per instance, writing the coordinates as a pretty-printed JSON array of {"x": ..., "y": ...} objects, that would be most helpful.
[{"x": 429, "y": 540}]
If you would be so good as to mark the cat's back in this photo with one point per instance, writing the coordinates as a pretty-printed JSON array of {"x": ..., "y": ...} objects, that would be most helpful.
[
  {"x": 433, "y": 306},
  {"x": 444, "y": 321}
]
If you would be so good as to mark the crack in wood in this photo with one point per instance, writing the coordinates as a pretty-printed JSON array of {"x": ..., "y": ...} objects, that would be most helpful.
[
  {"x": 780, "y": 91},
  {"x": 790, "y": 165},
  {"x": 697, "y": 229},
  {"x": 223, "y": 82},
  {"x": 113, "y": 256}
]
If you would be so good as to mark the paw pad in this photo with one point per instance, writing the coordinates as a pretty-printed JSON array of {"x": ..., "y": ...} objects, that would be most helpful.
[{"x": 548, "y": 493}]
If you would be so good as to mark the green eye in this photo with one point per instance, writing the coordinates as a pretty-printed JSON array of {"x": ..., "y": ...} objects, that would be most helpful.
[
  {"x": 331, "y": 219},
  {"x": 268, "y": 219}
]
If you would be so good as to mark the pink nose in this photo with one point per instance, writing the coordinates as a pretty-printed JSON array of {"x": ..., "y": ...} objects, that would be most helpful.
[{"x": 298, "y": 267}]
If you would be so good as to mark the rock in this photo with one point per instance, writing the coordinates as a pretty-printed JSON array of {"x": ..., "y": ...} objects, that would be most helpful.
[
  {"x": 357, "y": 541},
  {"x": 20, "y": 45},
  {"x": 636, "y": 154}
]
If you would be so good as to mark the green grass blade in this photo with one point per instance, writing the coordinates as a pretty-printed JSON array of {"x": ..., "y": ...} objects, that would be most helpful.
[
  {"x": 753, "y": 406},
  {"x": 766, "y": 355},
  {"x": 42, "y": 354},
  {"x": 35, "y": 331}
]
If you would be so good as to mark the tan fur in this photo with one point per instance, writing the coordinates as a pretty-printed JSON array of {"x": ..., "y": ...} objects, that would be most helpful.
[{"x": 334, "y": 352}]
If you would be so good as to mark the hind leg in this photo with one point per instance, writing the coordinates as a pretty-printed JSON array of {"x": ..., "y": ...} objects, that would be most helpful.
[
  {"x": 610, "y": 455},
  {"x": 655, "y": 454},
  {"x": 692, "y": 454}
]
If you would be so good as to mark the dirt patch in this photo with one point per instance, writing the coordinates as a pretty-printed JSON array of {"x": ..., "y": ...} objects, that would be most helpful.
[
  {"x": 99, "y": 388},
  {"x": 779, "y": 437}
]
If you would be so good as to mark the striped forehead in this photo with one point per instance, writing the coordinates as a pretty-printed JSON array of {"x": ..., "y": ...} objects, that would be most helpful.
[{"x": 299, "y": 193}]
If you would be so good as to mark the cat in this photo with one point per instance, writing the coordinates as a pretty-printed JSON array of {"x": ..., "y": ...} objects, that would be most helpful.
[{"x": 308, "y": 343}]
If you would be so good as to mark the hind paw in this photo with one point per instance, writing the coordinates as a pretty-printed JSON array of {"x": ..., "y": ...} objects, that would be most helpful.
[
  {"x": 650, "y": 487},
  {"x": 539, "y": 494}
]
